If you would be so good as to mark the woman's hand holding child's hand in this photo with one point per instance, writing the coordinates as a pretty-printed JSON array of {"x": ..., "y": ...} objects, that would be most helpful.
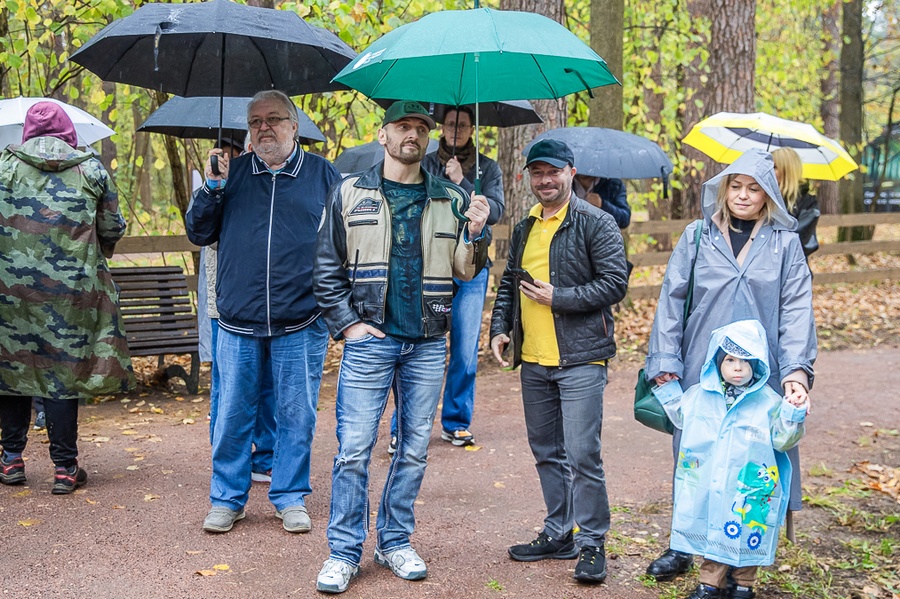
[{"x": 797, "y": 395}]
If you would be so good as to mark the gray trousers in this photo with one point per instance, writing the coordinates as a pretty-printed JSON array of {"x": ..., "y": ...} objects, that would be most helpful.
[{"x": 563, "y": 416}]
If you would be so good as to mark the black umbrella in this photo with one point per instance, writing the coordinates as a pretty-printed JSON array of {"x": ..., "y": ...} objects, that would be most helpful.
[
  {"x": 360, "y": 158},
  {"x": 196, "y": 118},
  {"x": 492, "y": 114},
  {"x": 216, "y": 48},
  {"x": 609, "y": 153}
]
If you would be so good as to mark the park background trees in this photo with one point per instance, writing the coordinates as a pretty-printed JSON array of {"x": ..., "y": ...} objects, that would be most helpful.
[{"x": 832, "y": 63}]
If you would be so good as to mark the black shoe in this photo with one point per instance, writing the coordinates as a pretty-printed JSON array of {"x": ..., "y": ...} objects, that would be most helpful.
[
  {"x": 739, "y": 592},
  {"x": 669, "y": 565},
  {"x": 591, "y": 565},
  {"x": 545, "y": 547},
  {"x": 707, "y": 592},
  {"x": 12, "y": 472},
  {"x": 68, "y": 479}
]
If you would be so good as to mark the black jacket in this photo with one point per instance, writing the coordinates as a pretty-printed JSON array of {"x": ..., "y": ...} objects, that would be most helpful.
[
  {"x": 587, "y": 271},
  {"x": 806, "y": 211}
]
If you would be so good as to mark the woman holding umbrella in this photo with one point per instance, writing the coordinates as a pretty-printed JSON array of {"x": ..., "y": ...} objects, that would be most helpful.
[
  {"x": 795, "y": 190},
  {"x": 748, "y": 264}
]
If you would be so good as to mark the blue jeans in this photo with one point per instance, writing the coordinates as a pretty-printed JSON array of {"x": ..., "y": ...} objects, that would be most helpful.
[
  {"x": 295, "y": 363},
  {"x": 264, "y": 433},
  {"x": 369, "y": 369},
  {"x": 465, "y": 331},
  {"x": 563, "y": 417}
]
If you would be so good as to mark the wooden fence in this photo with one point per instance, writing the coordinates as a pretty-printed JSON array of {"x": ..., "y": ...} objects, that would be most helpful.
[
  {"x": 675, "y": 227},
  {"x": 148, "y": 246}
]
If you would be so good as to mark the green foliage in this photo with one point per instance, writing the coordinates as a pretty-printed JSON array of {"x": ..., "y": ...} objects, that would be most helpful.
[{"x": 662, "y": 42}]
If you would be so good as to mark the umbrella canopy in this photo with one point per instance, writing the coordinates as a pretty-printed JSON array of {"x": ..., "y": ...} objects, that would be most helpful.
[
  {"x": 726, "y": 135},
  {"x": 609, "y": 153},
  {"x": 365, "y": 156},
  {"x": 216, "y": 48},
  {"x": 12, "y": 121},
  {"x": 510, "y": 55},
  {"x": 509, "y": 113},
  {"x": 198, "y": 118}
]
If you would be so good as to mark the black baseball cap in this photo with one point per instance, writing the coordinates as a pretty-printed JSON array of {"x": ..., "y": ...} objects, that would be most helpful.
[
  {"x": 551, "y": 151},
  {"x": 404, "y": 108}
]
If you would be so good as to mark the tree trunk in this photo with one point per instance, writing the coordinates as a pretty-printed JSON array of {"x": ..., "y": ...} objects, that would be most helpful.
[
  {"x": 108, "y": 149},
  {"x": 830, "y": 108},
  {"x": 511, "y": 140},
  {"x": 607, "y": 30},
  {"x": 4, "y": 32},
  {"x": 261, "y": 3},
  {"x": 730, "y": 84},
  {"x": 180, "y": 181},
  {"x": 852, "y": 114}
]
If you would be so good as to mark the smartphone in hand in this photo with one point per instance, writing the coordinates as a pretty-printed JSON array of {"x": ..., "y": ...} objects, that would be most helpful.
[{"x": 523, "y": 275}]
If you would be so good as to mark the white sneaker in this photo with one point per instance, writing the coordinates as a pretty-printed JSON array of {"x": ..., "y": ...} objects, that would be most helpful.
[
  {"x": 335, "y": 576},
  {"x": 261, "y": 477},
  {"x": 403, "y": 562}
]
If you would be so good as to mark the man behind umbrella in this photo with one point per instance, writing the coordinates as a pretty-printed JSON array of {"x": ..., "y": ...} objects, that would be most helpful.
[
  {"x": 263, "y": 210},
  {"x": 562, "y": 329},
  {"x": 387, "y": 251},
  {"x": 455, "y": 160}
]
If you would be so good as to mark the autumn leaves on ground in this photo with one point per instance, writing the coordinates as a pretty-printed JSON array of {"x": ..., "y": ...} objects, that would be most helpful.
[{"x": 134, "y": 529}]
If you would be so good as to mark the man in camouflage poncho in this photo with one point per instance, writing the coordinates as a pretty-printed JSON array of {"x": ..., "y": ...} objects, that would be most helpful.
[{"x": 61, "y": 334}]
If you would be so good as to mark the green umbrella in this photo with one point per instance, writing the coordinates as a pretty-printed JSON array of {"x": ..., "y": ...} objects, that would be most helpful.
[{"x": 482, "y": 55}]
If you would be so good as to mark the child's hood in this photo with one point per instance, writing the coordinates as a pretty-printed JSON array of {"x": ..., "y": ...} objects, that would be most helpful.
[{"x": 745, "y": 339}]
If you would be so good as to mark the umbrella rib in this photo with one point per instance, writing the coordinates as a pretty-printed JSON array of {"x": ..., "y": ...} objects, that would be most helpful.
[
  {"x": 265, "y": 60},
  {"x": 544, "y": 75},
  {"x": 193, "y": 63}
]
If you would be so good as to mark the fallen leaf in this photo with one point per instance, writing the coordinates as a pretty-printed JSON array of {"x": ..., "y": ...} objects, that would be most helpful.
[
  {"x": 140, "y": 403},
  {"x": 129, "y": 431},
  {"x": 784, "y": 568},
  {"x": 134, "y": 410},
  {"x": 187, "y": 421},
  {"x": 499, "y": 485},
  {"x": 473, "y": 447},
  {"x": 168, "y": 471},
  {"x": 29, "y": 522},
  {"x": 221, "y": 567},
  {"x": 179, "y": 398},
  {"x": 23, "y": 493},
  {"x": 132, "y": 467},
  {"x": 192, "y": 552},
  {"x": 131, "y": 449},
  {"x": 150, "y": 497},
  {"x": 206, "y": 572},
  {"x": 866, "y": 424},
  {"x": 118, "y": 507},
  {"x": 156, "y": 410},
  {"x": 198, "y": 400},
  {"x": 91, "y": 501}
]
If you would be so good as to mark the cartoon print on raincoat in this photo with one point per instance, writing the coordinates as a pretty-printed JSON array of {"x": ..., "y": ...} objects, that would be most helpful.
[{"x": 730, "y": 486}]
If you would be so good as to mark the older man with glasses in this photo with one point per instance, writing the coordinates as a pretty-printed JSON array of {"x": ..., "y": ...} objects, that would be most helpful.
[{"x": 263, "y": 209}]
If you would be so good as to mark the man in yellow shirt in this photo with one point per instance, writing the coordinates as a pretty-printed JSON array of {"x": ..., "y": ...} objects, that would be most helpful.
[{"x": 566, "y": 267}]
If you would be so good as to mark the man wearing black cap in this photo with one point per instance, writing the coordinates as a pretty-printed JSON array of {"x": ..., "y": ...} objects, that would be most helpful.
[
  {"x": 566, "y": 267},
  {"x": 388, "y": 250}
]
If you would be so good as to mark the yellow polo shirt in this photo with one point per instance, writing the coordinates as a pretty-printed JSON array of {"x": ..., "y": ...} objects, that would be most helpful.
[{"x": 539, "y": 343}]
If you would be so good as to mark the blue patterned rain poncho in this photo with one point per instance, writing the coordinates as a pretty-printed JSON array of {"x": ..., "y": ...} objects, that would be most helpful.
[{"x": 731, "y": 479}]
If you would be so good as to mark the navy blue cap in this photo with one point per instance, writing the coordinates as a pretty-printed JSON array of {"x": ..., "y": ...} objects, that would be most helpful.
[{"x": 551, "y": 151}]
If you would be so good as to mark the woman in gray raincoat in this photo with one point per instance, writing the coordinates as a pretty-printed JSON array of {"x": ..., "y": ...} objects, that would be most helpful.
[{"x": 749, "y": 264}]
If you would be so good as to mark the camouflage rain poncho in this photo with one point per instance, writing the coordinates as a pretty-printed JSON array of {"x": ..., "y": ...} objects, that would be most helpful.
[{"x": 61, "y": 332}]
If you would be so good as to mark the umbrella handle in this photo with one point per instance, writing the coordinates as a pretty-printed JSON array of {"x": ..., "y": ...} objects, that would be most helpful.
[
  {"x": 454, "y": 205},
  {"x": 214, "y": 165}
]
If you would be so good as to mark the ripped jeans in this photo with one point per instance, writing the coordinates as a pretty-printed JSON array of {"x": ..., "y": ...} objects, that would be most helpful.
[{"x": 370, "y": 367}]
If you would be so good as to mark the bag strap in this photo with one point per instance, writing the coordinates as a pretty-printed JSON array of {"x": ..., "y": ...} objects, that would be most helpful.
[{"x": 690, "y": 294}]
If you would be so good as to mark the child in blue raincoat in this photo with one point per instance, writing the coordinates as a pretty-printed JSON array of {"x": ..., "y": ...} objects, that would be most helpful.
[{"x": 732, "y": 480}]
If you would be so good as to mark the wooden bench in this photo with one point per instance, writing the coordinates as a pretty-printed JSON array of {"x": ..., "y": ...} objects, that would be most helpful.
[{"x": 158, "y": 317}]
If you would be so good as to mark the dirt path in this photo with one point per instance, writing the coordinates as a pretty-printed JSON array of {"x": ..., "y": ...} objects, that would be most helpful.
[{"x": 134, "y": 530}]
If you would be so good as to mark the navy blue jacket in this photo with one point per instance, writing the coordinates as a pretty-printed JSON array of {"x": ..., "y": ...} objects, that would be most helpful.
[
  {"x": 266, "y": 227},
  {"x": 615, "y": 200}
]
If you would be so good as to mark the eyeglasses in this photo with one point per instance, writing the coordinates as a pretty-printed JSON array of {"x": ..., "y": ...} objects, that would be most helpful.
[
  {"x": 457, "y": 126},
  {"x": 271, "y": 121}
]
